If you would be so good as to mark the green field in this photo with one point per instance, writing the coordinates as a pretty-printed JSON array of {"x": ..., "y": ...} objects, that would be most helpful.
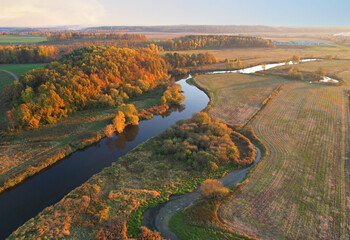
[
  {"x": 20, "y": 39},
  {"x": 20, "y": 69}
]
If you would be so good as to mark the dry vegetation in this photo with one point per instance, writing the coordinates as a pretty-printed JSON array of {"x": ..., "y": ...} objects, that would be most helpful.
[
  {"x": 298, "y": 190},
  {"x": 236, "y": 97},
  {"x": 109, "y": 203}
]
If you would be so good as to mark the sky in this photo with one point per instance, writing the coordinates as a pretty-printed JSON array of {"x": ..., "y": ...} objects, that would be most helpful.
[{"x": 35, "y": 13}]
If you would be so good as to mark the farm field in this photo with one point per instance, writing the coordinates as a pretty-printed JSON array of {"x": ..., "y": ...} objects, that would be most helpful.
[
  {"x": 331, "y": 66},
  {"x": 20, "y": 39},
  {"x": 236, "y": 97},
  {"x": 254, "y": 56},
  {"x": 299, "y": 190}
]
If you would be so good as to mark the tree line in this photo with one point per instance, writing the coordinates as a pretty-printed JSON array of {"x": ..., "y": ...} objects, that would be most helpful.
[
  {"x": 191, "y": 42},
  {"x": 28, "y": 54},
  {"x": 177, "y": 60},
  {"x": 88, "y": 77}
]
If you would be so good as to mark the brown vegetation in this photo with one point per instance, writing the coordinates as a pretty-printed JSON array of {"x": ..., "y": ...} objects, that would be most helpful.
[{"x": 212, "y": 188}]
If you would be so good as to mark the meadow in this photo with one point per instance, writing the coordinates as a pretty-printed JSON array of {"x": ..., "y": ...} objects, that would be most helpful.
[
  {"x": 20, "y": 39},
  {"x": 20, "y": 69},
  {"x": 236, "y": 97}
]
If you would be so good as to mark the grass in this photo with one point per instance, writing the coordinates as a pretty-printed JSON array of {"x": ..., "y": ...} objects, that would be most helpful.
[
  {"x": 46, "y": 145},
  {"x": 188, "y": 231},
  {"x": 20, "y": 39},
  {"x": 20, "y": 69},
  {"x": 5, "y": 79},
  {"x": 236, "y": 97}
]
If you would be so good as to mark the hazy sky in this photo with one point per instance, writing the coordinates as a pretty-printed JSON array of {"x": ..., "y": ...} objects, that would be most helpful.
[{"x": 167, "y": 12}]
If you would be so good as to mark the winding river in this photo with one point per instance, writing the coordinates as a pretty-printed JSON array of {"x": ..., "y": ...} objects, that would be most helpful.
[{"x": 27, "y": 199}]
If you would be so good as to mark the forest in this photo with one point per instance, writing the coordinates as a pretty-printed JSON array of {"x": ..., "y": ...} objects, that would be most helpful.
[
  {"x": 27, "y": 54},
  {"x": 88, "y": 77},
  {"x": 191, "y": 42}
]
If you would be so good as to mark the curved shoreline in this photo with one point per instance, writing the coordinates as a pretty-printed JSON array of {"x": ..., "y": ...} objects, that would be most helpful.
[{"x": 158, "y": 218}]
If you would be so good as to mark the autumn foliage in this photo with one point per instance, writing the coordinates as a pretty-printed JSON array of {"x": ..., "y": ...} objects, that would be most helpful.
[
  {"x": 200, "y": 142},
  {"x": 212, "y": 188},
  {"x": 212, "y": 42},
  {"x": 86, "y": 78},
  {"x": 186, "y": 60}
]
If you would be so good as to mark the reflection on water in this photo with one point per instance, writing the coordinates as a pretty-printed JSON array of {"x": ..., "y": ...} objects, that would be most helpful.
[{"x": 118, "y": 141}]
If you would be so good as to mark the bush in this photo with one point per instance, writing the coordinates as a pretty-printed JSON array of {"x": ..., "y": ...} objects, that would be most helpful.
[
  {"x": 146, "y": 234},
  {"x": 212, "y": 188},
  {"x": 115, "y": 229}
]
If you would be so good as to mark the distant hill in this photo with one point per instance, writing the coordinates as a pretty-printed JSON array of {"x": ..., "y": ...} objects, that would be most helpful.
[{"x": 236, "y": 29}]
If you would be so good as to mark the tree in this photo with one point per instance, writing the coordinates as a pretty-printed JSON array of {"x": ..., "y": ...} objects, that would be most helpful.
[
  {"x": 163, "y": 101},
  {"x": 119, "y": 122},
  {"x": 296, "y": 59},
  {"x": 109, "y": 130},
  {"x": 238, "y": 63},
  {"x": 212, "y": 188},
  {"x": 320, "y": 74}
]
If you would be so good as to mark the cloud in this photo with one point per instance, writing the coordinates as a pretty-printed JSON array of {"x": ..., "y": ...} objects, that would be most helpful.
[{"x": 50, "y": 12}]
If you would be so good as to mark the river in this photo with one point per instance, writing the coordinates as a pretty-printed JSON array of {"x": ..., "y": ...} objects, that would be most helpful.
[{"x": 26, "y": 200}]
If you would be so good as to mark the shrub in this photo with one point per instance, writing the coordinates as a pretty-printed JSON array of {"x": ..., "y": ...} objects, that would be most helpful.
[
  {"x": 146, "y": 234},
  {"x": 115, "y": 229},
  {"x": 212, "y": 188}
]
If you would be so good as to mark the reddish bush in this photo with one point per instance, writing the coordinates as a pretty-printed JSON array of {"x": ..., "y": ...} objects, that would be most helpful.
[{"x": 212, "y": 188}]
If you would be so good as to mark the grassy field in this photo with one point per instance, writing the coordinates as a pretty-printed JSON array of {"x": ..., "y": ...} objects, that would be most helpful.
[
  {"x": 236, "y": 97},
  {"x": 20, "y": 39},
  {"x": 20, "y": 69},
  {"x": 299, "y": 190}
]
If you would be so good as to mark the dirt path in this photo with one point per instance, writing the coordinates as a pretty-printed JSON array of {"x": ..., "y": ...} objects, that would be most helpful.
[
  {"x": 158, "y": 218},
  {"x": 11, "y": 73}
]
